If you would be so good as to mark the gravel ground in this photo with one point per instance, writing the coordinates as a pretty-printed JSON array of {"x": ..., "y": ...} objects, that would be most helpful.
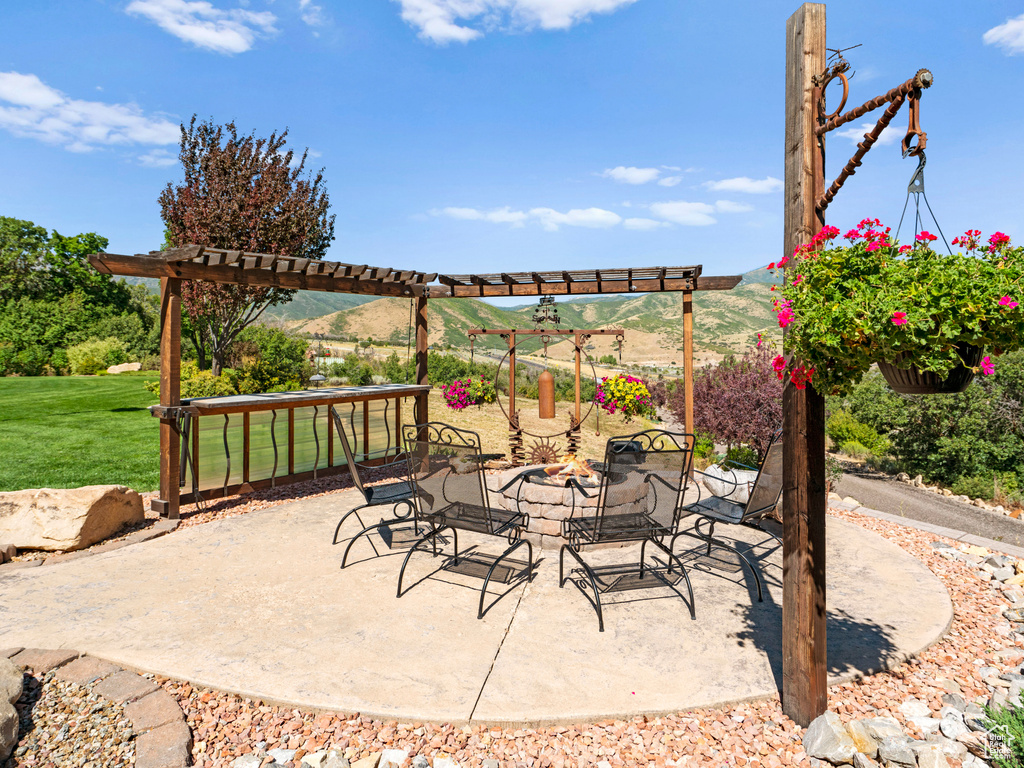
[
  {"x": 65, "y": 724},
  {"x": 226, "y": 726}
]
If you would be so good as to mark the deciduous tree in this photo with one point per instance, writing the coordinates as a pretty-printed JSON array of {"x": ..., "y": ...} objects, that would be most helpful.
[{"x": 243, "y": 193}]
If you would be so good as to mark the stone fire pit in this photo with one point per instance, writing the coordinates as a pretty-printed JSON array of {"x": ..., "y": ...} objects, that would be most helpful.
[{"x": 550, "y": 501}]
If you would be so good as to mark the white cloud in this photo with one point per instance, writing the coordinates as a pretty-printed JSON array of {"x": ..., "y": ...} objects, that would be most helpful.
[
  {"x": 593, "y": 218},
  {"x": 206, "y": 26},
  {"x": 437, "y": 20},
  {"x": 496, "y": 216},
  {"x": 746, "y": 184},
  {"x": 890, "y": 135},
  {"x": 644, "y": 224},
  {"x": 727, "y": 206},
  {"x": 669, "y": 181},
  {"x": 31, "y": 109},
  {"x": 311, "y": 14},
  {"x": 158, "y": 158},
  {"x": 631, "y": 175},
  {"x": 549, "y": 218},
  {"x": 687, "y": 214},
  {"x": 1009, "y": 36}
]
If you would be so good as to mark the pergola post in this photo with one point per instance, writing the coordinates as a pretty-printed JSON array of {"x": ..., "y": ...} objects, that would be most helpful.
[
  {"x": 804, "y": 668},
  {"x": 170, "y": 395},
  {"x": 688, "y": 359},
  {"x": 422, "y": 410}
]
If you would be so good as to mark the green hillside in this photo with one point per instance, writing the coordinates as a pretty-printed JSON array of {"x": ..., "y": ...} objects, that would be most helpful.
[{"x": 724, "y": 321}]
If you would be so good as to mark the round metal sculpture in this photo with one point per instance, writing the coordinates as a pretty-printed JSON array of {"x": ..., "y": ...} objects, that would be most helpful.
[
  {"x": 513, "y": 421},
  {"x": 543, "y": 451}
]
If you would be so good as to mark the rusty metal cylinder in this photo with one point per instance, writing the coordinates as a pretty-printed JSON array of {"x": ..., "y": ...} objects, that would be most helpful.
[{"x": 546, "y": 395}]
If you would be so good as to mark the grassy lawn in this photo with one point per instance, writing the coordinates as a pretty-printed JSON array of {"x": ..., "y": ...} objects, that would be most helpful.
[{"x": 69, "y": 431}]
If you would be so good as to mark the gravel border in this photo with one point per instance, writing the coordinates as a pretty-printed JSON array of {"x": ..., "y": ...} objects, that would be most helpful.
[{"x": 162, "y": 737}]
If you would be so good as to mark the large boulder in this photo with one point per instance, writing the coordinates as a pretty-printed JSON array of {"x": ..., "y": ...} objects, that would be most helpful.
[
  {"x": 10, "y": 692},
  {"x": 66, "y": 519}
]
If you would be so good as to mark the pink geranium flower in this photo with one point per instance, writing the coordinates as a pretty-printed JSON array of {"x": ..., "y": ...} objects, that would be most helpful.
[
  {"x": 998, "y": 240},
  {"x": 986, "y": 366},
  {"x": 926, "y": 236},
  {"x": 905, "y": 248},
  {"x": 899, "y": 318},
  {"x": 1007, "y": 302}
]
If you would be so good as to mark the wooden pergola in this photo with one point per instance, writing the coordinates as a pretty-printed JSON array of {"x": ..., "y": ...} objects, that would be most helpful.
[{"x": 217, "y": 265}]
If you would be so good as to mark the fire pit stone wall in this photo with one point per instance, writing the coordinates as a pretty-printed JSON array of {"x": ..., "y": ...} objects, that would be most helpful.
[{"x": 546, "y": 504}]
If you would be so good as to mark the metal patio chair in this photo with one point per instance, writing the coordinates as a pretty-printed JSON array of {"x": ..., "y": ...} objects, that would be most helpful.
[
  {"x": 450, "y": 492},
  {"x": 397, "y": 494},
  {"x": 643, "y": 479},
  {"x": 765, "y": 492}
]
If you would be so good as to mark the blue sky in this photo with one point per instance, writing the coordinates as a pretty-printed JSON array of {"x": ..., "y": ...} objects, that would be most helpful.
[{"x": 487, "y": 135}]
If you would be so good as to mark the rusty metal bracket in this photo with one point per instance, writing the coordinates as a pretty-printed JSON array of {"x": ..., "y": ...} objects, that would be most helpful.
[
  {"x": 171, "y": 411},
  {"x": 895, "y": 97},
  {"x": 914, "y": 127}
]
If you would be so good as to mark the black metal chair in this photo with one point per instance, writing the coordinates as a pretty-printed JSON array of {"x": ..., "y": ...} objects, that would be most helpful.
[
  {"x": 643, "y": 479},
  {"x": 396, "y": 494},
  {"x": 446, "y": 468},
  {"x": 765, "y": 492}
]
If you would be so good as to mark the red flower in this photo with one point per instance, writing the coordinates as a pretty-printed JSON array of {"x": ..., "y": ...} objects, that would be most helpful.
[
  {"x": 998, "y": 240},
  {"x": 899, "y": 318},
  {"x": 926, "y": 237},
  {"x": 905, "y": 248},
  {"x": 801, "y": 376}
]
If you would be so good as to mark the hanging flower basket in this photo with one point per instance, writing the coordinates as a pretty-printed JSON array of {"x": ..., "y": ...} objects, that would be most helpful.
[
  {"x": 923, "y": 317},
  {"x": 911, "y": 381}
]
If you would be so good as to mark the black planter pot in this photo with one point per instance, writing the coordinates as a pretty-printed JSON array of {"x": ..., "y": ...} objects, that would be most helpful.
[{"x": 910, "y": 381}]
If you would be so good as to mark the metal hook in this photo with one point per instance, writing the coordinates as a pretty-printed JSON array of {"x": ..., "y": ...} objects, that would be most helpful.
[
  {"x": 914, "y": 127},
  {"x": 916, "y": 185}
]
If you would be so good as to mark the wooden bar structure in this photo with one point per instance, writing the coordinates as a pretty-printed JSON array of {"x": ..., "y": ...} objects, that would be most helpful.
[{"x": 237, "y": 411}]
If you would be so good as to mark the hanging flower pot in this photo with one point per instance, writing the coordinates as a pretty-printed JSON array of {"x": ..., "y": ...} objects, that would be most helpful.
[
  {"x": 911, "y": 381},
  {"x": 923, "y": 317}
]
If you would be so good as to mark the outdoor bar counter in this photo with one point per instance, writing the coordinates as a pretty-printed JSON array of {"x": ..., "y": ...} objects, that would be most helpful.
[{"x": 239, "y": 443}]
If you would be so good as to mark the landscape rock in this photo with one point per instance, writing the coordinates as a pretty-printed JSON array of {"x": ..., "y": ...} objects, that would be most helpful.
[
  {"x": 1002, "y": 574},
  {"x": 67, "y": 518},
  {"x": 862, "y": 739},
  {"x": 368, "y": 762},
  {"x": 931, "y": 756},
  {"x": 918, "y": 481},
  {"x": 896, "y": 749},
  {"x": 420, "y": 762},
  {"x": 880, "y": 728},
  {"x": 393, "y": 758},
  {"x": 915, "y": 708},
  {"x": 10, "y": 691},
  {"x": 124, "y": 368},
  {"x": 246, "y": 761},
  {"x": 955, "y": 700},
  {"x": 336, "y": 759},
  {"x": 7, "y": 552},
  {"x": 926, "y": 724},
  {"x": 445, "y": 762},
  {"x": 827, "y": 738},
  {"x": 282, "y": 755}
]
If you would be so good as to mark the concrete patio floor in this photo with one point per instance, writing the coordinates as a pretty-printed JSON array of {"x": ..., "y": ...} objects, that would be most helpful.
[{"x": 257, "y": 604}]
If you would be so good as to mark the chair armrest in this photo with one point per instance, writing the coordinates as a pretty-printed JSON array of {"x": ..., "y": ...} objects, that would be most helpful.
[
  {"x": 734, "y": 483},
  {"x": 580, "y": 488}
]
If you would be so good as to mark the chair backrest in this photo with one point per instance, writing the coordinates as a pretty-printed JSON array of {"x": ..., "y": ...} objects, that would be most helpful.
[
  {"x": 353, "y": 467},
  {"x": 767, "y": 490},
  {"x": 445, "y": 466},
  {"x": 644, "y": 482}
]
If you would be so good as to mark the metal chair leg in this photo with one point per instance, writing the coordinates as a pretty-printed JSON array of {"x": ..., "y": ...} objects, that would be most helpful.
[
  {"x": 367, "y": 529},
  {"x": 401, "y": 573},
  {"x": 711, "y": 541},
  {"x": 354, "y": 511},
  {"x": 593, "y": 583},
  {"x": 506, "y": 553},
  {"x": 672, "y": 556}
]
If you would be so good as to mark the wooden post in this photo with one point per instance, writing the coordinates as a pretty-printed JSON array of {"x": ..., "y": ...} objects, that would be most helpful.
[
  {"x": 422, "y": 409},
  {"x": 688, "y": 358},
  {"x": 512, "y": 373},
  {"x": 577, "y": 389},
  {"x": 804, "y": 669},
  {"x": 170, "y": 395}
]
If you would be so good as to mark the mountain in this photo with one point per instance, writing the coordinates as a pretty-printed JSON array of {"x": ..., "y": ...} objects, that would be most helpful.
[{"x": 724, "y": 322}]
